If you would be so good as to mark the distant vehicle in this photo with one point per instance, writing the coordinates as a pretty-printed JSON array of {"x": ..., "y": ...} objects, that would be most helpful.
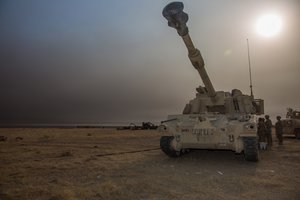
[
  {"x": 214, "y": 119},
  {"x": 144, "y": 126},
  {"x": 291, "y": 125},
  {"x": 131, "y": 126},
  {"x": 148, "y": 125}
]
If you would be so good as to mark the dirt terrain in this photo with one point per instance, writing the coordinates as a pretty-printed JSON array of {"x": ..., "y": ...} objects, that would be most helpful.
[{"x": 92, "y": 164}]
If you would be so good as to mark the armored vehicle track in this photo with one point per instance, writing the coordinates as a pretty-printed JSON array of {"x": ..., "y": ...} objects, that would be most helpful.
[{"x": 166, "y": 147}]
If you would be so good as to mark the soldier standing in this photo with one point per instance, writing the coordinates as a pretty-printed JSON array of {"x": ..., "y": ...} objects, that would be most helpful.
[
  {"x": 279, "y": 130},
  {"x": 261, "y": 132},
  {"x": 268, "y": 124}
]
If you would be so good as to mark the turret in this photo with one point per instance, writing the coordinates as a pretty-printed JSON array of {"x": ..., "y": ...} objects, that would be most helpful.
[{"x": 177, "y": 19}]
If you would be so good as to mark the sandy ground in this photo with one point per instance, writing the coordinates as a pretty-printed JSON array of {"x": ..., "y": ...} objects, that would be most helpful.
[{"x": 69, "y": 164}]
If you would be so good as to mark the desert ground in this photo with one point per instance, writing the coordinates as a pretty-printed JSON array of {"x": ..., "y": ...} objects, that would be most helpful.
[{"x": 94, "y": 163}]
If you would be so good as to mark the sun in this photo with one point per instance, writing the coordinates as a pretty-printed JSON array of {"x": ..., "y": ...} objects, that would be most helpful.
[{"x": 269, "y": 25}]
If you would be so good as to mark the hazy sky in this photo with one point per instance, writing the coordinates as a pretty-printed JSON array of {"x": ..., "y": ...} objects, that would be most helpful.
[{"x": 76, "y": 61}]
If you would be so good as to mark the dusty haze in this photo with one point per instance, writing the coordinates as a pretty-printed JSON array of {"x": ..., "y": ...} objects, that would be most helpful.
[{"x": 110, "y": 61}]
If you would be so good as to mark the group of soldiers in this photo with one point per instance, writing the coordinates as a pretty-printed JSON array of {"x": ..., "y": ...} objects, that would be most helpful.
[{"x": 264, "y": 131}]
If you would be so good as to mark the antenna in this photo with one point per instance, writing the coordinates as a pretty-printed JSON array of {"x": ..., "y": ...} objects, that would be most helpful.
[{"x": 249, "y": 69}]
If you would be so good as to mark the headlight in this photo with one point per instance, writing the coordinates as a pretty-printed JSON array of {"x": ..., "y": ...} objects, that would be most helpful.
[
  {"x": 289, "y": 123},
  {"x": 249, "y": 126},
  {"x": 162, "y": 128}
]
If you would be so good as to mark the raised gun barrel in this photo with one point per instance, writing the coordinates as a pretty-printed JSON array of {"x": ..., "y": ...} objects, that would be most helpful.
[{"x": 177, "y": 19}]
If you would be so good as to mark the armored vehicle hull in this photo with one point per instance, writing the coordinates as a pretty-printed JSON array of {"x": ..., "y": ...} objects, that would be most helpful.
[
  {"x": 291, "y": 125},
  {"x": 210, "y": 131}
]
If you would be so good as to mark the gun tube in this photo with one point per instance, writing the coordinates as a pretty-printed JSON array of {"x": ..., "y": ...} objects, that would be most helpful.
[
  {"x": 198, "y": 62},
  {"x": 177, "y": 19}
]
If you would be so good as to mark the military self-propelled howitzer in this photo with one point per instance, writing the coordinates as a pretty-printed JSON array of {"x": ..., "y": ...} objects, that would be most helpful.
[{"x": 214, "y": 119}]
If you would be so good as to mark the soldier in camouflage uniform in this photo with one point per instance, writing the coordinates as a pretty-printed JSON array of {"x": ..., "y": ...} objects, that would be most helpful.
[
  {"x": 261, "y": 132},
  {"x": 268, "y": 124},
  {"x": 279, "y": 130}
]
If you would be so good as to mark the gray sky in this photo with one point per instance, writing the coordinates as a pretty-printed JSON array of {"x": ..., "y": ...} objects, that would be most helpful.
[{"x": 114, "y": 61}]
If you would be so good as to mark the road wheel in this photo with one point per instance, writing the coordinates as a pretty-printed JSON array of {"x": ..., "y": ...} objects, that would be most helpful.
[
  {"x": 166, "y": 147},
  {"x": 251, "y": 149}
]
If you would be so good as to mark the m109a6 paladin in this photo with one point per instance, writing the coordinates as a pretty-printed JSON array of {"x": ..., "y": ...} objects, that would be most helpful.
[{"x": 214, "y": 119}]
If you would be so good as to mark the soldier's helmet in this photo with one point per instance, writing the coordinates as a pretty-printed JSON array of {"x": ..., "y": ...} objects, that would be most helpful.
[
  {"x": 267, "y": 116},
  {"x": 278, "y": 117}
]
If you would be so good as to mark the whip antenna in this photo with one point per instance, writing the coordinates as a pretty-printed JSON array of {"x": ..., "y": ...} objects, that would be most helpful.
[{"x": 249, "y": 69}]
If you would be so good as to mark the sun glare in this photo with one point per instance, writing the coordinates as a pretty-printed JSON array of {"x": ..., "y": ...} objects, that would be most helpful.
[{"x": 269, "y": 25}]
